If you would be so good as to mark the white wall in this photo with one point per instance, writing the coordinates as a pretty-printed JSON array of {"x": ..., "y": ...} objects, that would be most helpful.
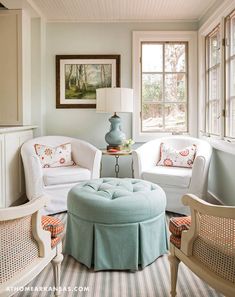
[
  {"x": 38, "y": 74},
  {"x": 93, "y": 38}
]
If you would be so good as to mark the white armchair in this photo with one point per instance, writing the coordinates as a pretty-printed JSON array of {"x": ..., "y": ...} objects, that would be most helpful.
[
  {"x": 54, "y": 183},
  {"x": 175, "y": 181}
]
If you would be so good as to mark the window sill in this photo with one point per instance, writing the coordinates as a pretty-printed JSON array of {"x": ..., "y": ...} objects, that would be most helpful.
[
  {"x": 148, "y": 136},
  {"x": 221, "y": 145}
]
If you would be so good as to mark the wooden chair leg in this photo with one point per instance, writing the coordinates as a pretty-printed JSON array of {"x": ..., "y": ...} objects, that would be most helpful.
[
  {"x": 56, "y": 262},
  {"x": 174, "y": 265}
]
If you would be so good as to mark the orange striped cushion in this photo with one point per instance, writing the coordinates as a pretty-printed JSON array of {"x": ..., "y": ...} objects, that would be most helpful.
[
  {"x": 55, "y": 241},
  {"x": 179, "y": 224},
  {"x": 52, "y": 224},
  {"x": 176, "y": 241}
]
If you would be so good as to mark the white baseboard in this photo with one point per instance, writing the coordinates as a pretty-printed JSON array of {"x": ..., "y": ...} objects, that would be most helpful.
[{"x": 213, "y": 199}]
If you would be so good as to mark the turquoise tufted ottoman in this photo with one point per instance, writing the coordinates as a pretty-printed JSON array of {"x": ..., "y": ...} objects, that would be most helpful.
[{"x": 116, "y": 223}]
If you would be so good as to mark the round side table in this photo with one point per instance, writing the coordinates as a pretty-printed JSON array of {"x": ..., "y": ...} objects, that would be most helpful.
[{"x": 117, "y": 155}]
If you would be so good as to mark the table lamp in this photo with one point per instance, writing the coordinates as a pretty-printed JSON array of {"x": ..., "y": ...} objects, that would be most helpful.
[{"x": 113, "y": 100}]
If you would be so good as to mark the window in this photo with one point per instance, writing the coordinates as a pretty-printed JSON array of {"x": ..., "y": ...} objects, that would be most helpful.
[
  {"x": 220, "y": 80},
  {"x": 213, "y": 82},
  {"x": 217, "y": 78},
  {"x": 230, "y": 76},
  {"x": 164, "y": 83},
  {"x": 164, "y": 87}
]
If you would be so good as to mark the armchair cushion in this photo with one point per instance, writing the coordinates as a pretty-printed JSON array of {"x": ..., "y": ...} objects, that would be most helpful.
[
  {"x": 176, "y": 241},
  {"x": 52, "y": 224},
  {"x": 170, "y": 176},
  {"x": 65, "y": 175},
  {"x": 55, "y": 241},
  {"x": 179, "y": 224},
  {"x": 176, "y": 226},
  {"x": 58, "y": 156},
  {"x": 169, "y": 156}
]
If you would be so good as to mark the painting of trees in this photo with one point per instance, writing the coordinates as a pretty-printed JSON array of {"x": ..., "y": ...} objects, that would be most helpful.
[{"x": 82, "y": 80}]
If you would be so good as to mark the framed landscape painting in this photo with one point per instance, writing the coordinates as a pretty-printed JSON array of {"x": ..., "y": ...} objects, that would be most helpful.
[{"x": 78, "y": 77}]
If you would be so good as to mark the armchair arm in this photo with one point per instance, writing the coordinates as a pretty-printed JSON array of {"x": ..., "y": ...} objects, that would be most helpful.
[
  {"x": 33, "y": 175},
  {"x": 145, "y": 157},
  {"x": 199, "y": 205},
  {"x": 87, "y": 156},
  {"x": 198, "y": 185},
  {"x": 16, "y": 212},
  {"x": 200, "y": 168}
]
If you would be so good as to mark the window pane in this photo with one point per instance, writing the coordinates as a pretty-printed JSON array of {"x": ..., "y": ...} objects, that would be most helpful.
[
  {"x": 152, "y": 57},
  {"x": 152, "y": 117},
  {"x": 175, "y": 57},
  {"x": 213, "y": 117},
  {"x": 214, "y": 48},
  {"x": 231, "y": 79},
  {"x": 230, "y": 119},
  {"x": 232, "y": 37},
  {"x": 214, "y": 78},
  {"x": 175, "y": 117},
  {"x": 175, "y": 87},
  {"x": 152, "y": 85}
]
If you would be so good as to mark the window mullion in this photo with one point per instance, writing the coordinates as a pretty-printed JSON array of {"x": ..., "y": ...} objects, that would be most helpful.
[
  {"x": 207, "y": 87},
  {"x": 163, "y": 88},
  {"x": 222, "y": 79},
  {"x": 228, "y": 124}
]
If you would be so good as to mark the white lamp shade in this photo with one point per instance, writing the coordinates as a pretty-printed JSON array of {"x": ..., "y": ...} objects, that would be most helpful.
[{"x": 114, "y": 100}]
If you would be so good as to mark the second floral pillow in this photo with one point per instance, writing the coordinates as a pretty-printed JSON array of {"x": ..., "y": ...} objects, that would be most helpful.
[{"x": 169, "y": 156}]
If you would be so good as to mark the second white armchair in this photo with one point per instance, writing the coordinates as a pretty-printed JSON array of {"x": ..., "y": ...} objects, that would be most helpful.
[
  {"x": 175, "y": 181},
  {"x": 54, "y": 183}
]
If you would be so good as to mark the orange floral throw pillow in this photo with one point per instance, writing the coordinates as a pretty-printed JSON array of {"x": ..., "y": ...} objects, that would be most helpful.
[
  {"x": 169, "y": 156},
  {"x": 59, "y": 156}
]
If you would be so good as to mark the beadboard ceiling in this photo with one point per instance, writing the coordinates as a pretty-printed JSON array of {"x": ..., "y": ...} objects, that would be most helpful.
[{"x": 120, "y": 10}]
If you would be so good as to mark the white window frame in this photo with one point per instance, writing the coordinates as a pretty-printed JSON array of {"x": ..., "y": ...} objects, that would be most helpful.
[
  {"x": 164, "y": 36},
  {"x": 218, "y": 142}
]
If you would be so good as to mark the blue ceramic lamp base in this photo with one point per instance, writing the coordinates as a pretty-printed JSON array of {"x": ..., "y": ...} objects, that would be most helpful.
[{"x": 115, "y": 136}]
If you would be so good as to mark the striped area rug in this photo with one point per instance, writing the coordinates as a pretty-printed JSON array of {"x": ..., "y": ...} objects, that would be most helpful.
[{"x": 153, "y": 281}]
